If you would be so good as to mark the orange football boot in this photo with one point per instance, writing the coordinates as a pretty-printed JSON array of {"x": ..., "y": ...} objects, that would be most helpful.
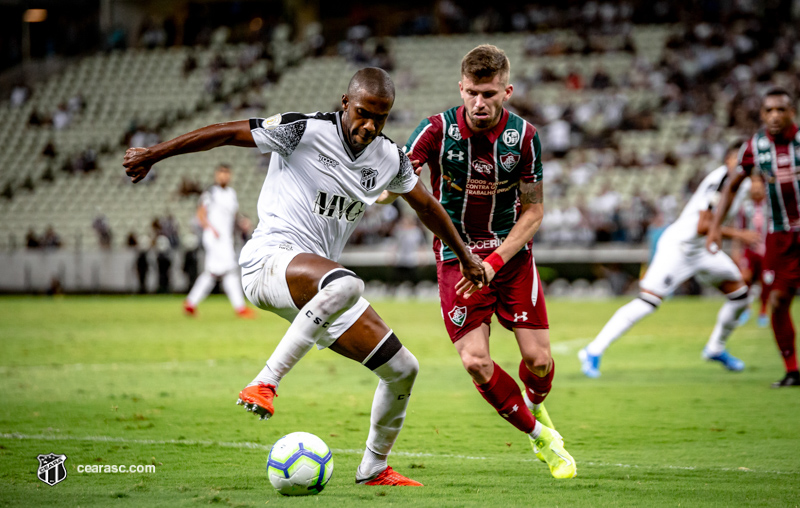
[
  {"x": 258, "y": 399},
  {"x": 246, "y": 313},
  {"x": 390, "y": 477}
]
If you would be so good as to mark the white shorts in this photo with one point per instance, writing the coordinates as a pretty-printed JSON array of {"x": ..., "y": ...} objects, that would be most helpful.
[
  {"x": 671, "y": 267},
  {"x": 266, "y": 287},
  {"x": 220, "y": 256}
]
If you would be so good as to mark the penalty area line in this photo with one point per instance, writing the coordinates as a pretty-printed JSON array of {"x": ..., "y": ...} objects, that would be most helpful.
[{"x": 258, "y": 446}]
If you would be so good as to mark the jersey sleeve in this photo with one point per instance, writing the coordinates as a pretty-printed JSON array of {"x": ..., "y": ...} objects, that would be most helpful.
[
  {"x": 746, "y": 158},
  {"x": 422, "y": 143},
  {"x": 279, "y": 133},
  {"x": 406, "y": 179},
  {"x": 532, "y": 171},
  {"x": 205, "y": 199}
]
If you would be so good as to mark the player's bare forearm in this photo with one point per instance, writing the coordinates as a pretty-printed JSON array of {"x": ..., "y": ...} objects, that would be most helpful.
[
  {"x": 531, "y": 197},
  {"x": 435, "y": 218},
  {"x": 387, "y": 198},
  {"x": 138, "y": 161}
]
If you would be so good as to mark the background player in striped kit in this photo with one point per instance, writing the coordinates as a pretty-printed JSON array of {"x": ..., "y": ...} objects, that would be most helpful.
[
  {"x": 680, "y": 255},
  {"x": 774, "y": 152},
  {"x": 217, "y": 213},
  {"x": 486, "y": 170}
]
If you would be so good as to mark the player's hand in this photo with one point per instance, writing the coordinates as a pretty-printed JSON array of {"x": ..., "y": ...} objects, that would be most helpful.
[
  {"x": 474, "y": 277},
  {"x": 216, "y": 233},
  {"x": 466, "y": 287},
  {"x": 713, "y": 240},
  {"x": 417, "y": 167},
  {"x": 137, "y": 163},
  {"x": 750, "y": 237}
]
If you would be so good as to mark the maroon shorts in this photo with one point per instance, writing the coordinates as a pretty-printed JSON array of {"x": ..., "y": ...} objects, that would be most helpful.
[
  {"x": 515, "y": 295},
  {"x": 752, "y": 261},
  {"x": 782, "y": 260}
]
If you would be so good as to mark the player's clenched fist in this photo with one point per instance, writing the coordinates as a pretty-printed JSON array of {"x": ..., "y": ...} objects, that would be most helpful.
[{"x": 137, "y": 163}]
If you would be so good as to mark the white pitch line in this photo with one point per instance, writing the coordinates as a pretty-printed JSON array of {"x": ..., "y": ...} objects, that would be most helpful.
[{"x": 257, "y": 446}]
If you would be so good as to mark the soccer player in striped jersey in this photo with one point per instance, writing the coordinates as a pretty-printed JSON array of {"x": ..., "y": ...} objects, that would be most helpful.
[
  {"x": 774, "y": 153},
  {"x": 486, "y": 171},
  {"x": 325, "y": 169}
]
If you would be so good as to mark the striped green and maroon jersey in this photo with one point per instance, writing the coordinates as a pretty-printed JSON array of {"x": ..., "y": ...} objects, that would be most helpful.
[
  {"x": 778, "y": 161},
  {"x": 476, "y": 176}
]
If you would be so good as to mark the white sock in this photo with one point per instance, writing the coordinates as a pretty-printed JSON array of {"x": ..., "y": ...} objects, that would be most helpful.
[
  {"x": 727, "y": 321},
  {"x": 371, "y": 465},
  {"x": 389, "y": 405},
  {"x": 528, "y": 402},
  {"x": 267, "y": 377},
  {"x": 201, "y": 289},
  {"x": 232, "y": 284},
  {"x": 313, "y": 319},
  {"x": 537, "y": 429},
  {"x": 622, "y": 320}
]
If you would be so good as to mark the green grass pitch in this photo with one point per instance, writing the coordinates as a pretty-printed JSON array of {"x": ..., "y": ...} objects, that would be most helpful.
[{"x": 129, "y": 380}]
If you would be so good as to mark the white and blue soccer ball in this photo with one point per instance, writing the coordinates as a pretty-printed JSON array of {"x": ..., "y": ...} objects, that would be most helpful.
[{"x": 299, "y": 464}]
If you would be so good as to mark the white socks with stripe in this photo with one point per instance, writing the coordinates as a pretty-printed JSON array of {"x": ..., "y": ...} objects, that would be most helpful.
[
  {"x": 324, "y": 308},
  {"x": 727, "y": 321},
  {"x": 622, "y": 320}
]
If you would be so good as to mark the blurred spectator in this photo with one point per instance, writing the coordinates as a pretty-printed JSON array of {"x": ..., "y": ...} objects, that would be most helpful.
[
  {"x": 49, "y": 150},
  {"x": 50, "y": 239},
  {"x": 32, "y": 240},
  {"x": 76, "y": 104},
  {"x": 408, "y": 237},
  {"x": 142, "y": 261},
  {"x": 164, "y": 263},
  {"x": 103, "y": 230},
  {"x": 19, "y": 95},
  {"x": 189, "y": 187},
  {"x": 189, "y": 64},
  {"x": 601, "y": 80},
  {"x": 61, "y": 117}
]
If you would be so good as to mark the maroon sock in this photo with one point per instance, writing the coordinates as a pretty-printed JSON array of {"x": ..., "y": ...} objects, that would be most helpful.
[
  {"x": 503, "y": 393},
  {"x": 784, "y": 336},
  {"x": 538, "y": 387}
]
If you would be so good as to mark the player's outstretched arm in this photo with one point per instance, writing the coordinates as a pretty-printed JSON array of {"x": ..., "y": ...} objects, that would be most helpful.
[
  {"x": 531, "y": 197},
  {"x": 714, "y": 237},
  {"x": 435, "y": 218},
  {"x": 138, "y": 161}
]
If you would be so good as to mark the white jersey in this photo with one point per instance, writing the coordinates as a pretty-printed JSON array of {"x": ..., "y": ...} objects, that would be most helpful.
[
  {"x": 221, "y": 207},
  {"x": 684, "y": 230},
  {"x": 317, "y": 190}
]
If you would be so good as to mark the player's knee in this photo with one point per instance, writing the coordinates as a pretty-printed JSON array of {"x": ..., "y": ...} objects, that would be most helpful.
[
  {"x": 342, "y": 289},
  {"x": 650, "y": 299},
  {"x": 392, "y": 362},
  {"x": 479, "y": 367},
  {"x": 540, "y": 363}
]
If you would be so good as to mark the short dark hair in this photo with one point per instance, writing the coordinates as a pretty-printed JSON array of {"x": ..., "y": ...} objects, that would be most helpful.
[
  {"x": 734, "y": 146},
  {"x": 486, "y": 61},
  {"x": 372, "y": 80},
  {"x": 223, "y": 166},
  {"x": 777, "y": 92}
]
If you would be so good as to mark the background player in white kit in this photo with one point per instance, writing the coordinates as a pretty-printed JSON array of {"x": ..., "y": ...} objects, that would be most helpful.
[
  {"x": 325, "y": 169},
  {"x": 217, "y": 214},
  {"x": 681, "y": 254}
]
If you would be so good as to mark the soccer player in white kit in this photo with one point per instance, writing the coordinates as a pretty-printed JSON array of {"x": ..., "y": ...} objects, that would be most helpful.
[
  {"x": 325, "y": 169},
  {"x": 681, "y": 254},
  {"x": 217, "y": 213}
]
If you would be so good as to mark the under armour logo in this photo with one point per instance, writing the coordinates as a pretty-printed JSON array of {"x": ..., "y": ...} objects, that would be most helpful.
[
  {"x": 520, "y": 317},
  {"x": 457, "y": 155}
]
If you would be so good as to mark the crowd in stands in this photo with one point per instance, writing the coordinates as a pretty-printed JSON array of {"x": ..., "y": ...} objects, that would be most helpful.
[{"x": 714, "y": 66}]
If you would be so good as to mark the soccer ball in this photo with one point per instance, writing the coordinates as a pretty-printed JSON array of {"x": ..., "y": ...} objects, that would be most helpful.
[{"x": 299, "y": 464}]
